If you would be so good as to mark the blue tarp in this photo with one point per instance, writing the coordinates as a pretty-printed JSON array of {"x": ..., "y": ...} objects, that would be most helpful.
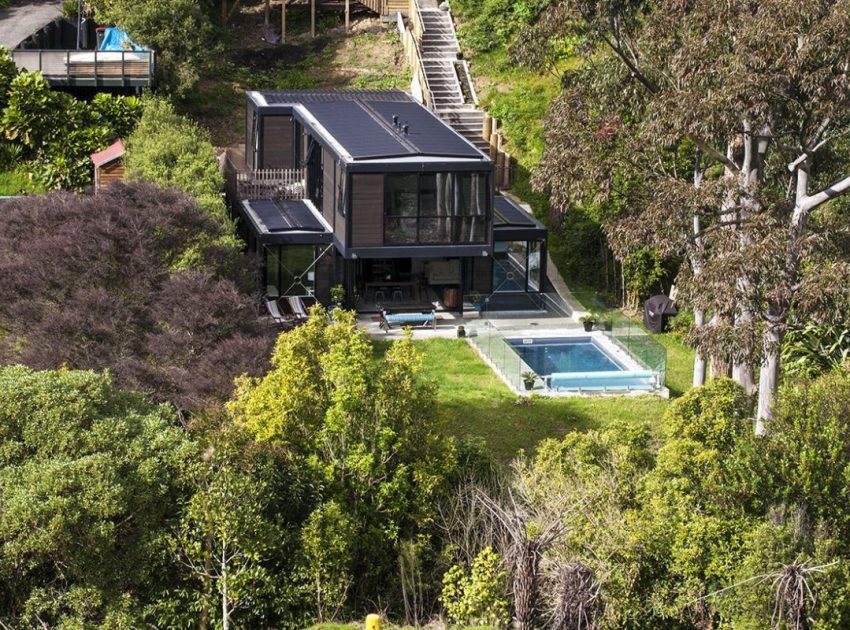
[{"x": 116, "y": 39}]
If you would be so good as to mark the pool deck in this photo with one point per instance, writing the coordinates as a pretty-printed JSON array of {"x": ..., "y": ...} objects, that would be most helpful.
[{"x": 447, "y": 323}]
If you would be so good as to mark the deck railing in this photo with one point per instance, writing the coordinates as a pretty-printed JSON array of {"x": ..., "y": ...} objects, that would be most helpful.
[
  {"x": 89, "y": 67},
  {"x": 278, "y": 183}
]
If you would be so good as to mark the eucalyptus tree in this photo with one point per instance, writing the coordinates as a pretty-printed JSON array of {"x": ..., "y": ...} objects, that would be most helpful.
[{"x": 755, "y": 97}]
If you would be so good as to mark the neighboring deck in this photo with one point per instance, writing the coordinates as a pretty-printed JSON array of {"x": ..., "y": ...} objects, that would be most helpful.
[
  {"x": 387, "y": 7},
  {"x": 95, "y": 68}
]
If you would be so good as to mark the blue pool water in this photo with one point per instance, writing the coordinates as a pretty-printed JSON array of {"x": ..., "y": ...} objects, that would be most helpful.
[{"x": 566, "y": 354}]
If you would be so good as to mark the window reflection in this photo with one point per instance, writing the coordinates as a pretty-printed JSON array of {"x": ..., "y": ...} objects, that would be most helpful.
[{"x": 448, "y": 208}]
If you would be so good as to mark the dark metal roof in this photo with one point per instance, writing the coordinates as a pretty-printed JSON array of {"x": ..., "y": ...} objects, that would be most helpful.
[
  {"x": 360, "y": 122},
  {"x": 357, "y": 131},
  {"x": 282, "y": 221},
  {"x": 286, "y": 215},
  {"x": 511, "y": 222},
  {"x": 427, "y": 133},
  {"x": 332, "y": 96},
  {"x": 507, "y": 213}
]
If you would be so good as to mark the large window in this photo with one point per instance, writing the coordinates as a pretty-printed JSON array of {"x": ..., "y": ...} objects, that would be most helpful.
[
  {"x": 516, "y": 266},
  {"x": 290, "y": 269},
  {"x": 436, "y": 208}
]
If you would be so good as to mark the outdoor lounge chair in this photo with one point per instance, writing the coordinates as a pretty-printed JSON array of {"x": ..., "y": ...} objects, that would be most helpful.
[
  {"x": 273, "y": 310},
  {"x": 423, "y": 319}
]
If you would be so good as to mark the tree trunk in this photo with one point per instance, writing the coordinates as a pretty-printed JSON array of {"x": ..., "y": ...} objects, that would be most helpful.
[
  {"x": 744, "y": 375},
  {"x": 768, "y": 376},
  {"x": 524, "y": 585},
  {"x": 699, "y": 357},
  {"x": 225, "y": 616}
]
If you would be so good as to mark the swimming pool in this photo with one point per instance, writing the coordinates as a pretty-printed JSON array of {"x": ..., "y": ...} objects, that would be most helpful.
[
  {"x": 581, "y": 362},
  {"x": 548, "y": 355}
]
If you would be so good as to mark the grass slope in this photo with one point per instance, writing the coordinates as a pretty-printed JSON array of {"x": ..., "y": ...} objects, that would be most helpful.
[
  {"x": 474, "y": 402},
  {"x": 371, "y": 56},
  {"x": 16, "y": 182}
]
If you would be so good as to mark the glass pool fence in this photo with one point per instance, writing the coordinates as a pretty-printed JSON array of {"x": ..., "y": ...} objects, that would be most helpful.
[{"x": 492, "y": 339}]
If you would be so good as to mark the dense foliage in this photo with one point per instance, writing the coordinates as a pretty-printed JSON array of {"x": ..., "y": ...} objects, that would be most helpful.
[
  {"x": 713, "y": 526},
  {"x": 366, "y": 436},
  {"x": 51, "y": 133},
  {"x": 91, "y": 485},
  {"x": 170, "y": 150},
  {"x": 690, "y": 152},
  {"x": 180, "y": 31},
  {"x": 135, "y": 280}
]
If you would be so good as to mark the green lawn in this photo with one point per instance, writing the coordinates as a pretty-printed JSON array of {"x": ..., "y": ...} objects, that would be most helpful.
[
  {"x": 473, "y": 401},
  {"x": 16, "y": 182}
]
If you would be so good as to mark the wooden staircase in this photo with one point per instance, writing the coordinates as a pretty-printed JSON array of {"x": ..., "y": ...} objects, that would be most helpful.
[{"x": 443, "y": 70}]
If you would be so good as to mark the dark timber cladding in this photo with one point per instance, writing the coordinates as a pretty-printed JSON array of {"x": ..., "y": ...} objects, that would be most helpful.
[
  {"x": 367, "y": 207},
  {"x": 277, "y": 142}
]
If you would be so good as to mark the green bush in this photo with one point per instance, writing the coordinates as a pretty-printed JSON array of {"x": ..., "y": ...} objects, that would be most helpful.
[
  {"x": 478, "y": 597},
  {"x": 680, "y": 325},
  {"x": 56, "y": 133},
  {"x": 180, "y": 31},
  {"x": 170, "y": 150}
]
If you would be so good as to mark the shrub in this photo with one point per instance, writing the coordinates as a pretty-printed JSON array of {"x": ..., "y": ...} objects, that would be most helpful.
[
  {"x": 101, "y": 282},
  {"x": 91, "y": 480},
  {"x": 170, "y": 150},
  {"x": 478, "y": 597},
  {"x": 57, "y": 132}
]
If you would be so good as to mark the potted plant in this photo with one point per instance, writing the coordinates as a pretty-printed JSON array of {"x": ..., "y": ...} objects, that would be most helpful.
[
  {"x": 475, "y": 298},
  {"x": 590, "y": 320},
  {"x": 337, "y": 295},
  {"x": 461, "y": 331},
  {"x": 607, "y": 323},
  {"x": 528, "y": 379}
]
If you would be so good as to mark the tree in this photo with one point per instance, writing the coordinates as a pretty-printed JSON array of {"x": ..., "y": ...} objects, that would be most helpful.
[
  {"x": 180, "y": 31},
  {"x": 91, "y": 482},
  {"x": 57, "y": 132},
  {"x": 170, "y": 150},
  {"x": 134, "y": 280},
  {"x": 225, "y": 535},
  {"x": 747, "y": 95},
  {"x": 365, "y": 431}
]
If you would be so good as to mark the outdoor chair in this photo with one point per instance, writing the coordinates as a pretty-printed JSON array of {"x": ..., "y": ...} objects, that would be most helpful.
[
  {"x": 276, "y": 316},
  {"x": 388, "y": 320}
]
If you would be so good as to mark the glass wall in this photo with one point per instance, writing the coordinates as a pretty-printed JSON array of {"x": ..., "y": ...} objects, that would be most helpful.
[
  {"x": 516, "y": 266},
  {"x": 436, "y": 208},
  {"x": 290, "y": 269}
]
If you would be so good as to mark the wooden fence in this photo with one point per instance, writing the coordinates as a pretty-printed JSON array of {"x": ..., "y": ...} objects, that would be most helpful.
[{"x": 277, "y": 183}]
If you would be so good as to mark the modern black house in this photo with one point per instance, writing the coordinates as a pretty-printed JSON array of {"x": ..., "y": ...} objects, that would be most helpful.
[{"x": 370, "y": 190}]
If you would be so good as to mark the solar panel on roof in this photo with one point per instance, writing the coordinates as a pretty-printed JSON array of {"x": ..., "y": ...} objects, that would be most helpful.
[
  {"x": 355, "y": 129},
  {"x": 286, "y": 216},
  {"x": 429, "y": 134},
  {"x": 508, "y": 213}
]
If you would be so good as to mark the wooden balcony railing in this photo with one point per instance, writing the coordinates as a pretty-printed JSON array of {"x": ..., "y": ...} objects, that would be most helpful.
[
  {"x": 277, "y": 183},
  {"x": 89, "y": 67}
]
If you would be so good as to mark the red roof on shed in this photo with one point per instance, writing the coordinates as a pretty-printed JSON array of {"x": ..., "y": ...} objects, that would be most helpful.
[{"x": 110, "y": 153}]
